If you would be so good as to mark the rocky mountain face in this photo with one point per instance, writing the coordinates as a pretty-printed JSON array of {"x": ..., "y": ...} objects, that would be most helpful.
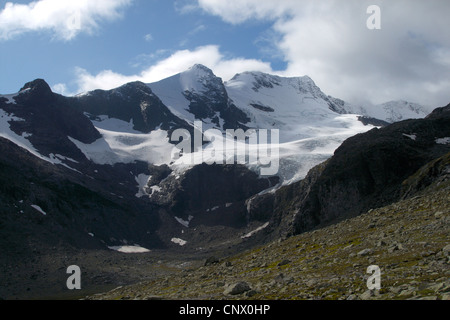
[{"x": 220, "y": 191}]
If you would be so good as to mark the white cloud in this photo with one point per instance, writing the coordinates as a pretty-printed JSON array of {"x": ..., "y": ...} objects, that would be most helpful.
[
  {"x": 148, "y": 37},
  {"x": 329, "y": 41},
  {"x": 105, "y": 80},
  {"x": 237, "y": 11},
  {"x": 65, "y": 19},
  {"x": 185, "y": 6},
  {"x": 409, "y": 58},
  {"x": 179, "y": 61},
  {"x": 61, "y": 88}
]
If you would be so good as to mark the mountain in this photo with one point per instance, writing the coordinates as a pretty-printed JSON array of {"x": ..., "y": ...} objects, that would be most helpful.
[
  {"x": 136, "y": 121},
  {"x": 97, "y": 171}
]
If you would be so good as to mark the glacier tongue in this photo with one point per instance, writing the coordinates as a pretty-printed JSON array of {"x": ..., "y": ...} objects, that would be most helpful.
[
  {"x": 310, "y": 131},
  {"x": 172, "y": 90}
]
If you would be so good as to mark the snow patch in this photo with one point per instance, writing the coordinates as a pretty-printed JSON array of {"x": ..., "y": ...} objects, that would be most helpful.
[
  {"x": 155, "y": 189},
  {"x": 213, "y": 209},
  {"x": 445, "y": 140},
  {"x": 184, "y": 222},
  {"x": 111, "y": 124},
  {"x": 129, "y": 249},
  {"x": 179, "y": 241},
  {"x": 60, "y": 157},
  {"x": 250, "y": 234},
  {"x": 39, "y": 209},
  {"x": 410, "y": 136},
  {"x": 142, "y": 181}
]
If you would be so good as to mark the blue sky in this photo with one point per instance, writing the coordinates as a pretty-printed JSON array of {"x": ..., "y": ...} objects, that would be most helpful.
[
  {"x": 147, "y": 31},
  {"x": 116, "y": 41}
]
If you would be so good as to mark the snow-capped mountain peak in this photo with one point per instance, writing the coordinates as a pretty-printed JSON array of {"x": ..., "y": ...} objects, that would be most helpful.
[
  {"x": 392, "y": 111},
  {"x": 199, "y": 79},
  {"x": 293, "y": 105},
  {"x": 259, "y": 80},
  {"x": 198, "y": 94},
  {"x": 401, "y": 110}
]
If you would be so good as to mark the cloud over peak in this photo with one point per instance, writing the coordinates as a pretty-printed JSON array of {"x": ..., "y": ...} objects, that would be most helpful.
[
  {"x": 329, "y": 41},
  {"x": 177, "y": 62}
]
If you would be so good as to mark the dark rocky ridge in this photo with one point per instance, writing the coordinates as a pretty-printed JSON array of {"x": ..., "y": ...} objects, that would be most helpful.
[
  {"x": 50, "y": 119},
  {"x": 131, "y": 102}
]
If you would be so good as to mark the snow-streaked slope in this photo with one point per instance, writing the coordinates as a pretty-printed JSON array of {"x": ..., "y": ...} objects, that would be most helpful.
[
  {"x": 120, "y": 143},
  {"x": 23, "y": 142},
  {"x": 9, "y": 97}
]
